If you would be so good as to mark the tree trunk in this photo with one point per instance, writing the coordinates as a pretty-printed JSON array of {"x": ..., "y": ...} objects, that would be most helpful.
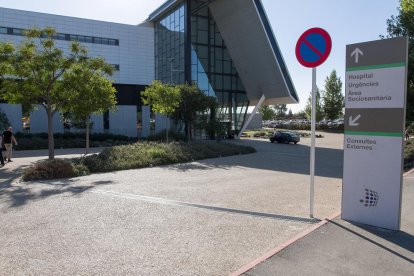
[
  {"x": 166, "y": 127},
  {"x": 87, "y": 136},
  {"x": 50, "y": 133},
  {"x": 189, "y": 132}
]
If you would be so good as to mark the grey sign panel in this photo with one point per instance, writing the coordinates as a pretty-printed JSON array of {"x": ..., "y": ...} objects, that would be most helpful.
[
  {"x": 376, "y": 80},
  {"x": 374, "y": 120},
  {"x": 377, "y": 52}
]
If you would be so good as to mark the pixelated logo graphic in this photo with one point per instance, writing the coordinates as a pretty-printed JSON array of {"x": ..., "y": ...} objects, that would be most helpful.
[{"x": 371, "y": 198}]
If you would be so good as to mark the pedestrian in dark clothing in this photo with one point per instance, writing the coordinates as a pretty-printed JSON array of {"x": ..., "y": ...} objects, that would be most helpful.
[
  {"x": 1, "y": 151},
  {"x": 8, "y": 140}
]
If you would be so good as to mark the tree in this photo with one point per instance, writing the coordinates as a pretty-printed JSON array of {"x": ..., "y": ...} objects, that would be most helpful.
[
  {"x": 4, "y": 122},
  {"x": 290, "y": 114},
  {"x": 90, "y": 91},
  {"x": 192, "y": 101},
  {"x": 31, "y": 72},
  {"x": 333, "y": 100},
  {"x": 267, "y": 111},
  {"x": 280, "y": 110},
  {"x": 319, "y": 107},
  {"x": 401, "y": 25},
  {"x": 163, "y": 98}
]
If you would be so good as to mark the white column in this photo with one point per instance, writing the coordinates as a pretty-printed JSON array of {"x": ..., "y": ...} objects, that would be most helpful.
[
  {"x": 124, "y": 120},
  {"x": 160, "y": 123},
  {"x": 98, "y": 125},
  {"x": 38, "y": 121},
  {"x": 247, "y": 122},
  {"x": 146, "y": 124}
]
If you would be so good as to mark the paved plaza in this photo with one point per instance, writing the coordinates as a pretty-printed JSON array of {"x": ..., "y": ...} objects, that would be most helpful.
[{"x": 210, "y": 217}]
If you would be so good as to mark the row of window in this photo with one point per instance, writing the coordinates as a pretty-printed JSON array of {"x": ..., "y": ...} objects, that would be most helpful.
[{"x": 68, "y": 37}]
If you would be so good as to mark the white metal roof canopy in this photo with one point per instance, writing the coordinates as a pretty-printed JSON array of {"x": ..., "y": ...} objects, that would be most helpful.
[{"x": 254, "y": 50}]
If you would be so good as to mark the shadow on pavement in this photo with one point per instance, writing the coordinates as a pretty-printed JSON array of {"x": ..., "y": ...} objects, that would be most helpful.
[
  {"x": 276, "y": 157},
  {"x": 400, "y": 238},
  {"x": 22, "y": 193}
]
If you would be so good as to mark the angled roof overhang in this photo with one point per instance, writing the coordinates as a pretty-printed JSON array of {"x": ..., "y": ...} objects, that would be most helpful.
[
  {"x": 249, "y": 38},
  {"x": 253, "y": 47},
  {"x": 165, "y": 7}
]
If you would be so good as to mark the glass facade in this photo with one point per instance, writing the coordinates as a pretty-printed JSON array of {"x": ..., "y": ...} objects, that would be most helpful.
[
  {"x": 170, "y": 47},
  {"x": 211, "y": 67}
]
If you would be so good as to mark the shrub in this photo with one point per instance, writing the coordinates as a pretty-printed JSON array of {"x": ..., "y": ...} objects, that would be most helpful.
[
  {"x": 133, "y": 156},
  {"x": 69, "y": 140},
  {"x": 172, "y": 136},
  {"x": 147, "y": 154},
  {"x": 408, "y": 154},
  {"x": 52, "y": 169}
]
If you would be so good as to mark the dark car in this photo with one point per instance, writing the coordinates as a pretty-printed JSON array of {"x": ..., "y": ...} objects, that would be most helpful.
[{"x": 285, "y": 137}]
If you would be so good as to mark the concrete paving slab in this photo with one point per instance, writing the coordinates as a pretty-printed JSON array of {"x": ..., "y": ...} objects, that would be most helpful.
[
  {"x": 72, "y": 232},
  {"x": 103, "y": 224},
  {"x": 343, "y": 248}
]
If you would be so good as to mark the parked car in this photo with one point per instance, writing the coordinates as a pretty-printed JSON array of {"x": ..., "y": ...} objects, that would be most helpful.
[{"x": 285, "y": 137}]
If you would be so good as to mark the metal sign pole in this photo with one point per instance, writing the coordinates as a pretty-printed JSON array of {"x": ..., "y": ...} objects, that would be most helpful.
[
  {"x": 314, "y": 43},
  {"x": 312, "y": 152}
]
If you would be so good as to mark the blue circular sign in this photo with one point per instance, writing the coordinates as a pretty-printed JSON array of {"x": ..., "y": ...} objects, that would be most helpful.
[{"x": 313, "y": 47}]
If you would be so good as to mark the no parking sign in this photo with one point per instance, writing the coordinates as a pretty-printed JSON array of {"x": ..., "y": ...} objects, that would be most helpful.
[{"x": 313, "y": 47}]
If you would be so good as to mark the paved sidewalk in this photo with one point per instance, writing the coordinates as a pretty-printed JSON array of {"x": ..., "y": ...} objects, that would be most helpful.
[
  {"x": 22, "y": 159},
  {"x": 146, "y": 220},
  {"x": 208, "y": 217},
  {"x": 343, "y": 248}
]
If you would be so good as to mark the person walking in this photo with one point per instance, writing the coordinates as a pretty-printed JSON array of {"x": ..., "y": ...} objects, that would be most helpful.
[
  {"x": 1, "y": 151},
  {"x": 8, "y": 140}
]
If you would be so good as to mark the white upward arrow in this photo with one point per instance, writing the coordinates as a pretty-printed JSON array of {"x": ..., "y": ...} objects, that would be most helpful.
[
  {"x": 353, "y": 121},
  {"x": 356, "y": 53}
]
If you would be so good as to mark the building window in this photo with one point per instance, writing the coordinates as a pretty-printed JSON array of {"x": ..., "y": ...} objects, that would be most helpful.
[
  {"x": 106, "y": 120},
  {"x": 62, "y": 36},
  {"x": 17, "y": 31}
]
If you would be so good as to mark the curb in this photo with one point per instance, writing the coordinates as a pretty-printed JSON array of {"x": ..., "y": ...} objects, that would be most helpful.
[
  {"x": 407, "y": 173},
  {"x": 279, "y": 248}
]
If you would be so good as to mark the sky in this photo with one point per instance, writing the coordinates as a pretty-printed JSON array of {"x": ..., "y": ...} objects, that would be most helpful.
[{"x": 347, "y": 22}]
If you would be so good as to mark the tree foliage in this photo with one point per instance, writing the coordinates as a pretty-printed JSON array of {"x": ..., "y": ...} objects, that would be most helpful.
[
  {"x": 192, "y": 102},
  {"x": 32, "y": 73},
  {"x": 401, "y": 25},
  {"x": 89, "y": 91},
  {"x": 268, "y": 112},
  {"x": 333, "y": 100},
  {"x": 280, "y": 110},
  {"x": 319, "y": 106},
  {"x": 163, "y": 98}
]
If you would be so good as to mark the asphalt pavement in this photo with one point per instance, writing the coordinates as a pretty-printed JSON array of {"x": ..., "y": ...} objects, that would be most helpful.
[{"x": 210, "y": 217}]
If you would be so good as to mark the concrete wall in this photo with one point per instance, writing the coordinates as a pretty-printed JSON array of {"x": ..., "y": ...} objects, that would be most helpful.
[
  {"x": 98, "y": 124},
  {"x": 134, "y": 54},
  {"x": 14, "y": 115},
  {"x": 38, "y": 121},
  {"x": 124, "y": 121},
  {"x": 146, "y": 123},
  {"x": 256, "y": 122},
  {"x": 160, "y": 123}
]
